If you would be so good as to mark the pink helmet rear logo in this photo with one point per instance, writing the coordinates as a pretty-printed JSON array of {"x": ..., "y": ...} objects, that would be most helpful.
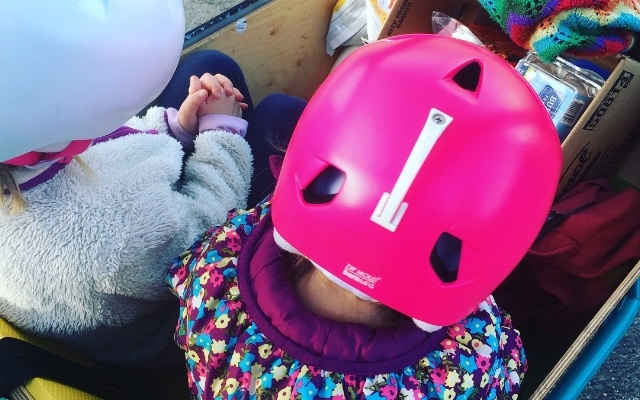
[{"x": 360, "y": 276}]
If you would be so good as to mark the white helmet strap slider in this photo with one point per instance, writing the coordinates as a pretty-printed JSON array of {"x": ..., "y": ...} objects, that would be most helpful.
[{"x": 391, "y": 207}]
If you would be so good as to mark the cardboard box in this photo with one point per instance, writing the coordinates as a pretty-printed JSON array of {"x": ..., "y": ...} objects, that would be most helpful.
[
  {"x": 607, "y": 131},
  {"x": 629, "y": 172}
]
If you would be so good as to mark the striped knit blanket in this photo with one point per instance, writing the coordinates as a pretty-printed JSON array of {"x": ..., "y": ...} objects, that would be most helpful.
[{"x": 582, "y": 28}]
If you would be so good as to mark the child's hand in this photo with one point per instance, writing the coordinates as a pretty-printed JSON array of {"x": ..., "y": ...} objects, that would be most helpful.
[
  {"x": 223, "y": 98},
  {"x": 211, "y": 82},
  {"x": 187, "y": 114},
  {"x": 209, "y": 95}
]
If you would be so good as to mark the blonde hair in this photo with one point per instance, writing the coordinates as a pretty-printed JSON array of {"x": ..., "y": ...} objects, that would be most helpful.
[
  {"x": 85, "y": 166},
  {"x": 12, "y": 200}
]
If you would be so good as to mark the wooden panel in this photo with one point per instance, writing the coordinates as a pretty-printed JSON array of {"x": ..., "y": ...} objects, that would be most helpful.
[{"x": 282, "y": 48}]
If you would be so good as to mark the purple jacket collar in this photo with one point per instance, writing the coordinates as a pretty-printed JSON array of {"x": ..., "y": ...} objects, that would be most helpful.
[{"x": 263, "y": 277}]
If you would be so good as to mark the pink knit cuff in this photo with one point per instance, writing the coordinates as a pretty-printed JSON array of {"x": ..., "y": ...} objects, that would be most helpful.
[{"x": 223, "y": 122}]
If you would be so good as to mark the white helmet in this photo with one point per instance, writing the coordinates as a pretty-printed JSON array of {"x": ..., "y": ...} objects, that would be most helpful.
[{"x": 78, "y": 69}]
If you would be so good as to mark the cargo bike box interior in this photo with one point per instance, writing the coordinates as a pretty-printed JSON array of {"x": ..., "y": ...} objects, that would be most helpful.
[{"x": 281, "y": 46}]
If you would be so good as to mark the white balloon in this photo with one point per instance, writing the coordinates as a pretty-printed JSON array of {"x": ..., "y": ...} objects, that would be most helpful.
[{"x": 78, "y": 69}]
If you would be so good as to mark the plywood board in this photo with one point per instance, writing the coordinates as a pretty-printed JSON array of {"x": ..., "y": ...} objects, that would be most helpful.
[{"x": 279, "y": 48}]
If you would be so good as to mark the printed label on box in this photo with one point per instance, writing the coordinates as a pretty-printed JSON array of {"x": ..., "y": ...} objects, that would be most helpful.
[
  {"x": 621, "y": 83},
  {"x": 551, "y": 99}
]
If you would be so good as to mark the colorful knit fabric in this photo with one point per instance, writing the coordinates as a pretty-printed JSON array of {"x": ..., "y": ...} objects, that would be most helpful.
[{"x": 582, "y": 28}]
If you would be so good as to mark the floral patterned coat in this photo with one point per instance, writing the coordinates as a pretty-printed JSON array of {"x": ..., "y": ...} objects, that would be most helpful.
[{"x": 247, "y": 336}]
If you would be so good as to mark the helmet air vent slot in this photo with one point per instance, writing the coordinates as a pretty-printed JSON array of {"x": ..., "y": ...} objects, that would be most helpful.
[
  {"x": 325, "y": 186},
  {"x": 468, "y": 77},
  {"x": 445, "y": 257}
]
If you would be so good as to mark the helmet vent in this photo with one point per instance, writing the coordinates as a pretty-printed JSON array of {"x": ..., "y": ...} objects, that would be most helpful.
[
  {"x": 325, "y": 186},
  {"x": 445, "y": 257},
  {"x": 469, "y": 76}
]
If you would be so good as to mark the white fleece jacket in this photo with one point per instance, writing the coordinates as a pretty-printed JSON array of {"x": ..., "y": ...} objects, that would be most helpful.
[{"x": 86, "y": 261}]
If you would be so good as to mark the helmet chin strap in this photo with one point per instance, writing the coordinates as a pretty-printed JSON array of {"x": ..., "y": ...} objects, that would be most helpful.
[{"x": 284, "y": 245}]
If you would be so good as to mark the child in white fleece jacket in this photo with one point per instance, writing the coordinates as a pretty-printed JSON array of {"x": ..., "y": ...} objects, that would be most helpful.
[{"x": 85, "y": 260}]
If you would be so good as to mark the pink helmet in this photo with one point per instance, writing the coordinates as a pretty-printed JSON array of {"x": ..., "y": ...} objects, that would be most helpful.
[{"x": 419, "y": 174}]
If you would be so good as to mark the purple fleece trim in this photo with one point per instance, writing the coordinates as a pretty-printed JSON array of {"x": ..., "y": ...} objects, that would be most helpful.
[
  {"x": 312, "y": 339},
  {"x": 120, "y": 132},
  {"x": 44, "y": 176}
]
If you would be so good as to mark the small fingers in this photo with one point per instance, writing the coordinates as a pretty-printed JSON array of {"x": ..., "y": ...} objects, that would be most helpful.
[
  {"x": 237, "y": 94},
  {"x": 194, "y": 100},
  {"x": 212, "y": 85},
  {"x": 187, "y": 114},
  {"x": 226, "y": 84},
  {"x": 194, "y": 84}
]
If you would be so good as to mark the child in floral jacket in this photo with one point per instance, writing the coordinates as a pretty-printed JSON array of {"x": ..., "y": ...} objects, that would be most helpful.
[
  {"x": 314, "y": 294},
  {"x": 247, "y": 335}
]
